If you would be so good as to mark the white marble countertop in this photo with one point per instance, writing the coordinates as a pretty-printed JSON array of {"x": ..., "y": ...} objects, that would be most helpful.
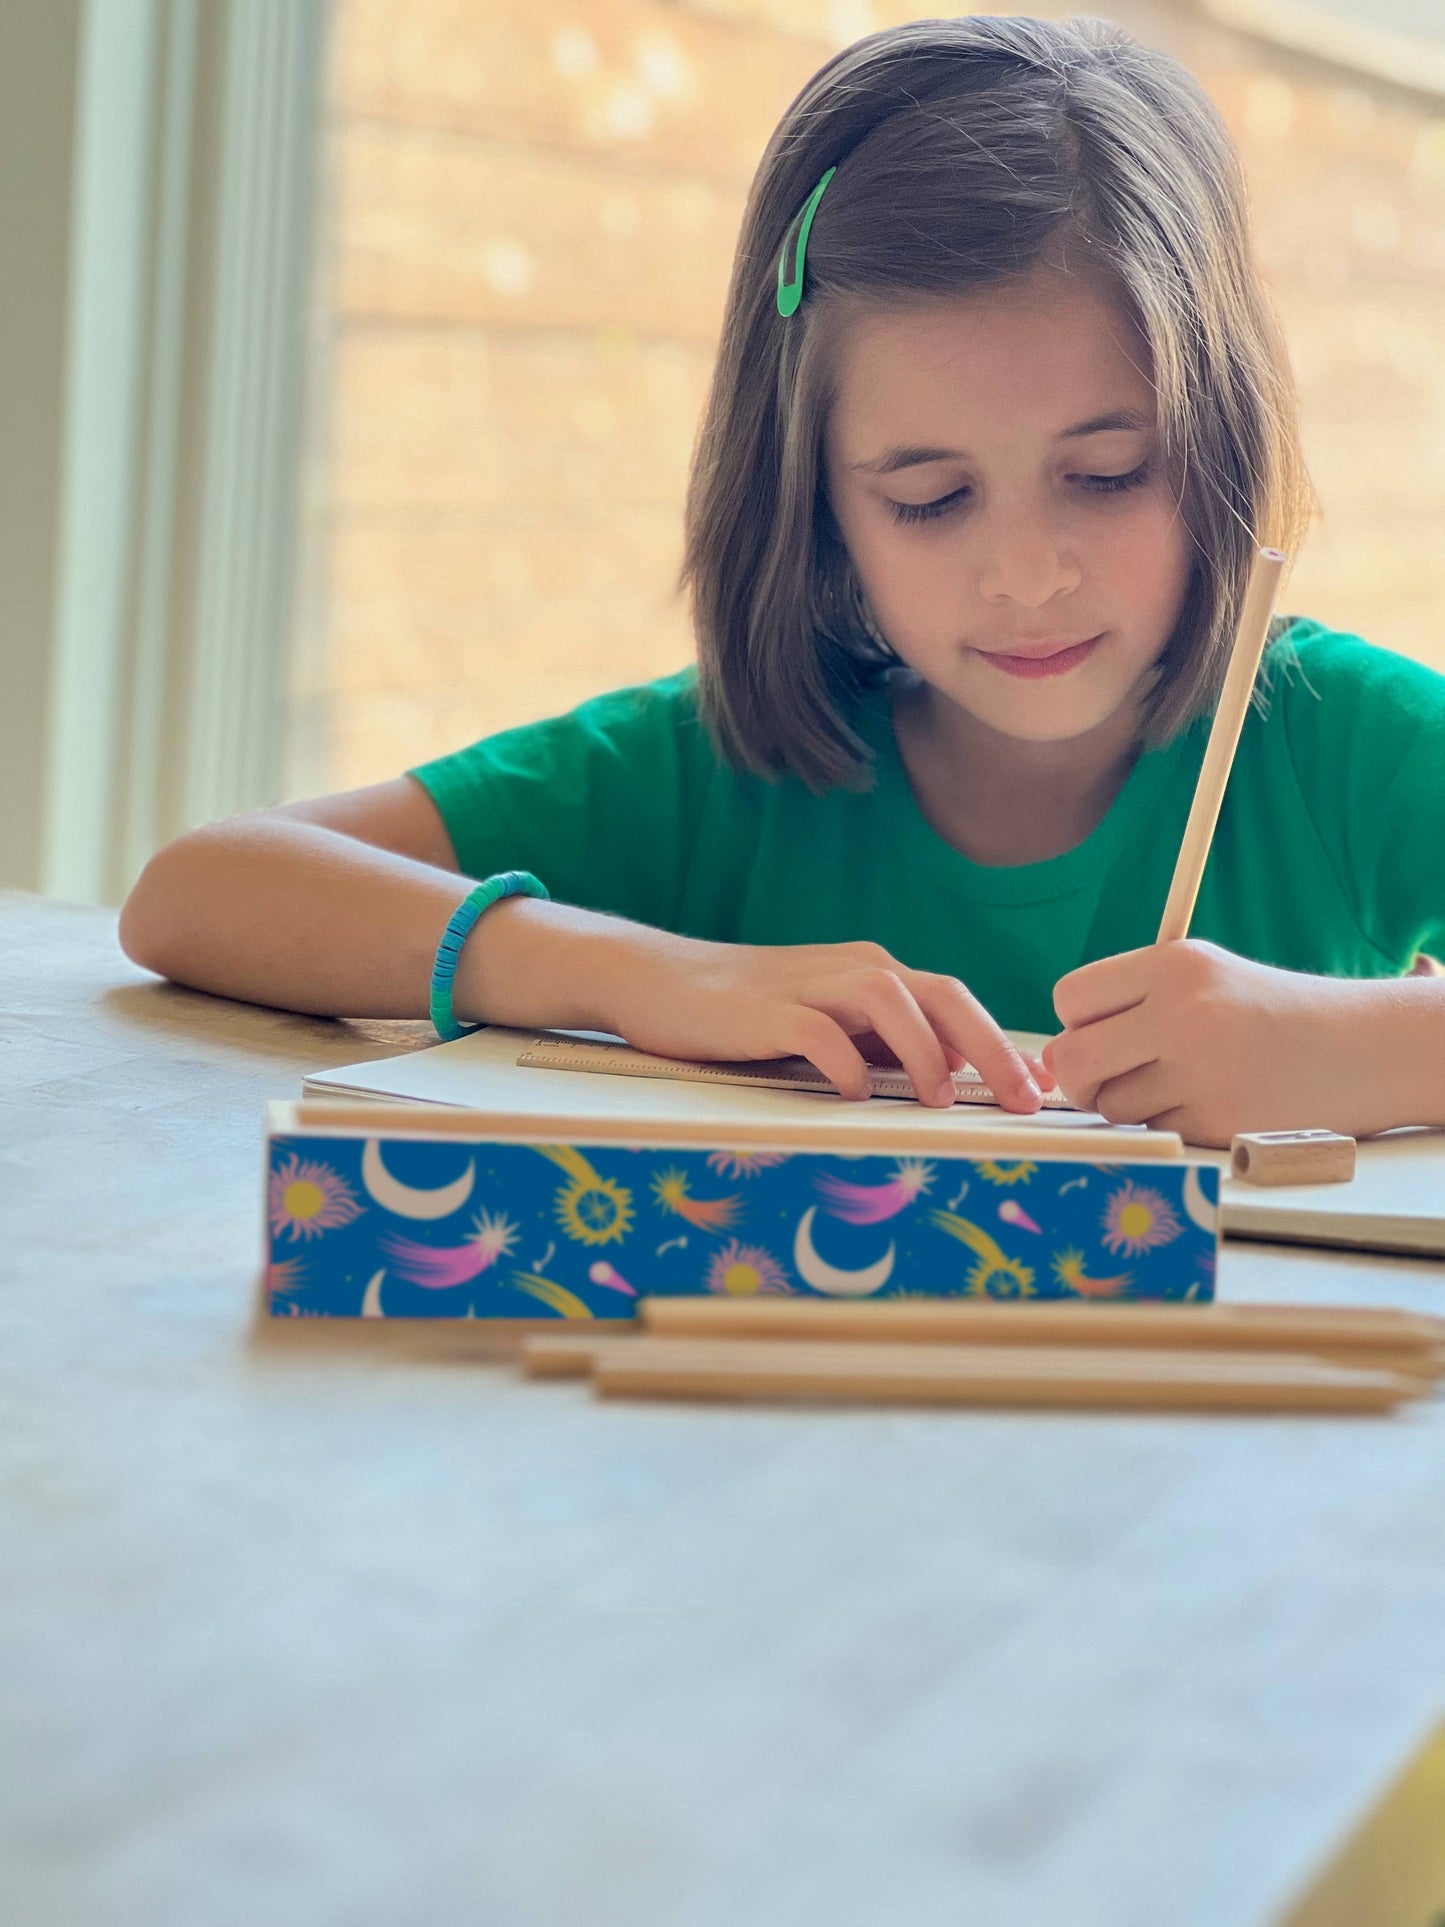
[{"x": 315, "y": 1639}]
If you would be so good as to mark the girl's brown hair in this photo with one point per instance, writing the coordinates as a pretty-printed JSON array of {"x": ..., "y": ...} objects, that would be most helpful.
[{"x": 967, "y": 151}]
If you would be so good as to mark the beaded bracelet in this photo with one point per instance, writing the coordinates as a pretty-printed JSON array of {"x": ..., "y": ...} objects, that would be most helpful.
[{"x": 509, "y": 883}]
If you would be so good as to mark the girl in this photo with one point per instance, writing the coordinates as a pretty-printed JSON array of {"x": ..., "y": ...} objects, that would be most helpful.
[{"x": 1000, "y": 414}]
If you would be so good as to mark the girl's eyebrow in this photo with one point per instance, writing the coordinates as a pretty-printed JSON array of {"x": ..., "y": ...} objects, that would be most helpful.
[{"x": 916, "y": 456}]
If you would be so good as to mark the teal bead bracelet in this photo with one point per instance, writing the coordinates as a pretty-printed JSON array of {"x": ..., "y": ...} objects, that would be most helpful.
[{"x": 510, "y": 883}]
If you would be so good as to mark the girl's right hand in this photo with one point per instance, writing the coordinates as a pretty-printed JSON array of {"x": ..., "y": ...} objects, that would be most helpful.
[{"x": 832, "y": 1003}]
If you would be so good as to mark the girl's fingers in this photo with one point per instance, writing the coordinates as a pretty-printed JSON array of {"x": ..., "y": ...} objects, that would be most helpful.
[
  {"x": 813, "y": 1034},
  {"x": 963, "y": 1022},
  {"x": 1137, "y": 1097},
  {"x": 1088, "y": 1059},
  {"x": 900, "y": 1022},
  {"x": 928, "y": 1024},
  {"x": 878, "y": 999},
  {"x": 1106, "y": 988}
]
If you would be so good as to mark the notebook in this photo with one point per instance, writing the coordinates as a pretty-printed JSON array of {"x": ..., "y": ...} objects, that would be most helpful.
[{"x": 1396, "y": 1201}]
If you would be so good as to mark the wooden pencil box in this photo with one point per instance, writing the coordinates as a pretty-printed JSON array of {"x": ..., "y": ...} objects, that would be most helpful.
[{"x": 425, "y": 1212}]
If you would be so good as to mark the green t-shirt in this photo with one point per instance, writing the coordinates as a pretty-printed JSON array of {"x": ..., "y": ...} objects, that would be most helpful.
[{"x": 1329, "y": 855}]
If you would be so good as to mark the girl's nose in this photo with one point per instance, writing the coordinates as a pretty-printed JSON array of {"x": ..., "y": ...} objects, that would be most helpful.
[{"x": 1024, "y": 561}]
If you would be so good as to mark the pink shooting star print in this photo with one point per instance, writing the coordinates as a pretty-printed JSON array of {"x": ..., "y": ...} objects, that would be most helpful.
[
  {"x": 873, "y": 1203},
  {"x": 443, "y": 1267},
  {"x": 610, "y": 1279},
  {"x": 1012, "y": 1212}
]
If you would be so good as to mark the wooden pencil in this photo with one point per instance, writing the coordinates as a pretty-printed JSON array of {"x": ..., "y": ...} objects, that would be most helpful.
[
  {"x": 1224, "y": 732},
  {"x": 1006, "y": 1376},
  {"x": 1329, "y": 1329},
  {"x": 576, "y": 1356},
  {"x": 565, "y": 1354}
]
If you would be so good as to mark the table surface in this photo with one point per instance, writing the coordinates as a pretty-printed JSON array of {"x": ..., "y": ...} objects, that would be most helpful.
[{"x": 305, "y": 1637}]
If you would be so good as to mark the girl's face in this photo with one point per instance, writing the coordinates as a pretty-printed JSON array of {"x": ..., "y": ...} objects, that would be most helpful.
[{"x": 1022, "y": 553}]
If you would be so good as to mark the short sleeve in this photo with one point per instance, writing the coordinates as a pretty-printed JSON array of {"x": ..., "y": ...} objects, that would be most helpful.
[
  {"x": 597, "y": 803},
  {"x": 1366, "y": 735}
]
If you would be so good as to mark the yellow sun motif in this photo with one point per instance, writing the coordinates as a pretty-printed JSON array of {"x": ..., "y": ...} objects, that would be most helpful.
[
  {"x": 1014, "y": 1171},
  {"x": 1006, "y": 1278},
  {"x": 994, "y": 1274},
  {"x": 744, "y": 1271},
  {"x": 303, "y": 1199},
  {"x": 596, "y": 1211},
  {"x": 1138, "y": 1220},
  {"x": 592, "y": 1209},
  {"x": 306, "y": 1199}
]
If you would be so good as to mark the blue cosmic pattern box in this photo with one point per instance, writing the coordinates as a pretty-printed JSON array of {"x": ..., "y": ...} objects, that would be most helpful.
[{"x": 406, "y": 1226}]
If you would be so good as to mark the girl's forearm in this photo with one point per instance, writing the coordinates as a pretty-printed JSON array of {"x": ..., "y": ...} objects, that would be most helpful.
[{"x": 277, "y": 911}]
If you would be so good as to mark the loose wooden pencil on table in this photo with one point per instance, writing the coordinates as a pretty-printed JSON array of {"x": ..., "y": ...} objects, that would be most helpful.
[
  {"x": 1028, "y": 1376},
  {"x": 1135, "y": 1357},
  {"x": 1369, "y": 1337},
  {"x": 984, "y": 1375},
  {"x": 1366, "y": 1335}
]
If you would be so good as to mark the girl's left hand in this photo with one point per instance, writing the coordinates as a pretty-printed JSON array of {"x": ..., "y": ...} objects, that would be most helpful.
[{"x": 1190, "y": 1038}]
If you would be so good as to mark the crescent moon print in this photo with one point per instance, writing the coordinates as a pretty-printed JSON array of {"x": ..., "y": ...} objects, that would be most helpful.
[
  {"x": 1197, "y": 1206},
  {"x": 828, "y": 1278},
  {"x": 371, "y": 1303},
  {"x": 405, "y": 1199}
]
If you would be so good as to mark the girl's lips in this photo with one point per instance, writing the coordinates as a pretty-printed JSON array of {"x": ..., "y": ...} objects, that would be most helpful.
[{"x": 1035, "y": 666}]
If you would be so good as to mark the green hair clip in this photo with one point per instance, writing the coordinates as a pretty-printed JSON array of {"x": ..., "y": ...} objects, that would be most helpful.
[{"x": 790, "y": 293}]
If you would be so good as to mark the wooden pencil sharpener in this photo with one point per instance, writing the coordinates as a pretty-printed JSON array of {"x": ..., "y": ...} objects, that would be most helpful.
[{"x": 1292, "y": 1157}]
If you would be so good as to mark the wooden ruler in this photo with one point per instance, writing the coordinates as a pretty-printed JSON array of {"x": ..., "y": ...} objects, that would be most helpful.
[{"x": 771, "y": 1073}]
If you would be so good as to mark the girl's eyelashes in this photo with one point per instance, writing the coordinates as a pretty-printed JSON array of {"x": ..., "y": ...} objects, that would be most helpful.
[{"x": 1093, "y": 484}]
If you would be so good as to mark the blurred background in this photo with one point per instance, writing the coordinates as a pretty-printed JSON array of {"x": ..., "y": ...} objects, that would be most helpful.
[{"x": 353, "y": 355}]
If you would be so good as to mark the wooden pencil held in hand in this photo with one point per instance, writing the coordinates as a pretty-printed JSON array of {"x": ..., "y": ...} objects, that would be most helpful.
[{"x": 1224, "y": 733}]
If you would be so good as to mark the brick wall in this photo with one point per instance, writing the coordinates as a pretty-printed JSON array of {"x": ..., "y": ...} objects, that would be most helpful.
[{"x": 528, "y": 215}]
